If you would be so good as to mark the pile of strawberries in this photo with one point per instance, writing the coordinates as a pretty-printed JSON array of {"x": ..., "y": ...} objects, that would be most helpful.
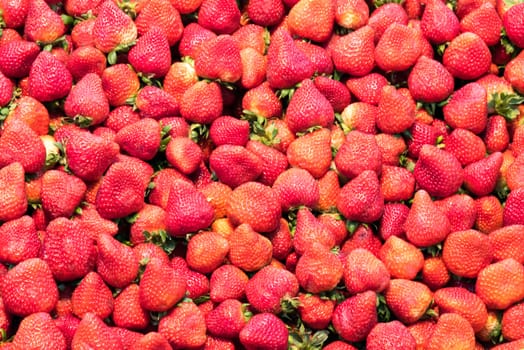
[{"x": 262, "y": 174}]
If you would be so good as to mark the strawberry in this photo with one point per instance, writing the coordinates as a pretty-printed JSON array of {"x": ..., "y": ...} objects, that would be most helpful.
[
  {"x": 197, "y": 284},
  {"x": 180, "y": 220},
  {"x": 153, "y": 102},
  {"x": 82, "y": 33},
  {"x": 420, "y": 135},
  {"x": 281, "y": 240},
  {"x": 460, "y": 211},
  {"x": 463, "y": 302},
  {"x": 465, "y": 146},
  {"x": 310, "y": 231},
  {"x": 512, "y": 73},
  {"x": 513, "y": 174},
  {"x": 452, "y": 330},
  {"x": 38, "y": 331},
  {"x": 264, "y": 331},
  {"x": 49, "y": 78},
  {"x": 392, "y": 220},
  {"x": 296, "y": 187},
  {"x": 351, "y": 14},
  {"x": 184, "y": 326},
  {"x": 151, "y": 55},
  {"x": 438, "y": 171},
  {"x": 402, "y": 259},
  {"x": 217, "y": 195},
  {"x": 234, "y": 165},
  {"x": 151, "y": 341},
  {"x": 513, "y": 25},
  {"x": 13, "y": 198},
  {"x": 255, "y": 204},
  {"x": 269, "y": 287},
  {"x": 483, "y": 21},
  {"x": 86, "y": 102},
  {"x": 248, "y": 249},
  {"x": 42, "y": 24},
  {"x": 163, "y": 180},
  {"x": 504, "y": 242},
  {"x": 358, "y": 153},
  {"x": 183, "y": 154},
  {"x": 384, "y": 16},
  {"x": 361, "y": 199},
  {"x": 396, "y": 183},
  {"x": 148, "y": 251},
  {"x": 391, "y": 147},
  {"x": 206, "y": 251},
  {"x": 439, "y": 24},
  {"x": 31, "y": 111},
  {"x": 363, "y": 271},
  {"x": 489, "y": 214},
  {"x": 89, "y": 156},
  {"x": 140, "y": 139},
  {"x": 120, "y": 83},
  {"x": 84, "y": 60},
  {"x": 61, "y": 193},
  {"x": 19, "y": 240},
  {"x": 163, "y": 14},
  {"x": 408, "y": 300},
  {"x": 329, "y": 189},
  {"x": 227, "y": 282},
  {"x": 93, "y": 333},
  {"x": 391, "y": 335},
  {"x": 511, "y": 329},
  {"x": 262, "y": 101},
  {"x": 7, "y": 90},
  {"x": 91, "y": 221},
  {"x": 17, "y": 58},
  {"x": 367, "y": 88},
  {"x": 308, "y": 14},
  {"x": 363, "y": 237},
  {"x": 319, "y": 270},
  {"x": 480, "y": 177},
  {"x": 395, "y": 112},
  {"x": 14, "y": 13},
  {"x": 336, "y": 92},
  {"x": 265, "y": 12},
  {"x": 356, "y": 316},
  {"x": 201, "y": 103},
  {"x": 314, "y": 310},
  {"x": 435, "y": 273},
  {"x": 318, "y": 55},
  {"x": 274, "y": 163},
  {"x": 429, "y": 81},
  {"x": 227, "y": 319},
  {"x": 92, "y": 295},
  {"x": 300, "y": 151},
  {"x": 22, "y": 285},
  {"x": 512, "y": 213},
  {"x": 353, "y": 53},
  {"x": 69, "y": 256},
  {"x": 127, "y": 312},
  {"x": 286, "y": 64},
  {"x": 473, "y": 99},
  {"x": 467, "y": 57},
  {"x": 193, "y": 36},
  {"x": 253, "y": 67},
  {"x": 466, "y": 253},
  {"x": 219, "y": 58},
  {"x": 220, "y": 16},
  {"x": 161, "y": 287},
  {"x": 398, "y": 49},
  {"x": 339, "y": 344},
  {"x": 116, "y": 262},
  {"x": 113, "y": 29}
]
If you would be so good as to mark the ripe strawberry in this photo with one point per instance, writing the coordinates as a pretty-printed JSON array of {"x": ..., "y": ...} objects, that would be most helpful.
[
  {"x": 120, "y": 83},
  {"x": 93, "y": 333},
  {"x": 398, "y": 49},
  {"x": 361, "y": 199},
  {"x": 13, "y": 198},
  {"x": 467, "y": 57},
  {"x": 253, "y": 68},
  {"x": 116, "y": 262},
  {"x": 420, "y": 134},
  {"x": 465, "y": 146},
  {"x": 262, "y": 101},
  {"x": 151, "y": 341},
  {"x": 161, "y": 287},
  {"x": 391, "y": 335},
  {"x": 151, "y": 56},
  {"x": 460, "y": 211},
  {"x": 38, "y": 331},
  {"x": 184, "y": 326},
  {"x": 300, "y": 151},
  {"x": 358, "y": 153},
  {"x": 512, "y": 175},
  {"x": 392, "y": 220},
  {"x": 466, "y": 253},
  {"x": 217, "y": 195},
  {"x": 480, "y": 177},
  {"x": 314, "y": 310},
  {"x": 353, "y": 53},
  {"x": 17, "y": 58},
  {"x": 32, "y": 112},
  {"x": 511, "y": 329},
  {"x": 255, "y": 204},
  {"x": 219, "y": 58},
  {"x": 310, "y": 231},
  {"x": 220, "y": 16},
  {"x": 193, "y": 36},
  {"x": 483, "y": 21},
  {"x": 163, "y": 14},
  {"x": 227, "y": 282},
  {"x": 234, "y": 165},
  {"x": 148, "y": 251},
  {"x": 336, "y": 92},
  {"x": 512, "y": 25},
  {"x": 265, "y": 12},
  {"x": 363, "y": 237},
  {"x": 180, "y": 220},
  {"x": 489, "y": 214},
  {"x": 356, "y": 316},
  {"x": 512, "y": 73},
  {"x": 339, "y": 344},
  {"x": 140, "y": 139},
  {"x": 438, "y": 171},
  {"x": 429, "y": 81},
  {"x": 42, "y": 24},
  {"x": 505, "y": 243},
  {"x": 396, "y": 183},
  {"x": 391, "y": 148},
  {"x": 396, "y": 112},
  {"x": 87, "y": 102},
  {"x": 19, "y": 240},
  {"x": 127, "y": 312},
  {"x": 471, "y": 98},
  {"x": 363, "y": 271},
  {"x": 249, "y": 250},
  {"x": 367, "y": 88},
  {"x": 197, "y": 284},
  {"x": 49, "y": 78},
  {"x": 153, "y": 102},
  {"x": 14, "y": 13},
  {"x": 264, "y": 331},
  {"x": 227, "y": 319},
  {"x": 274, "y": 162},
  {"x": 296, "y": 187},
  {"x": 92, "y": 295},
  {"x": 512, "y": 208},
  {"x": 439, "y": 24},
  {"x": 402, "y": 259},
  {"x": 21, "y": 288},
  {"x": 308, "y": 14},
  {"x": 384, "y": 16},
  {"x": 93, "y": 223},
  {"x": 408, "y": 300},
  {"x": 201, "y": 103},
  {"x": 84, "y": 60},
  {"x": 61, "y": 193},
  {"x": 351, "y": 14},
  {"x": 122, "y": 189},
  {"x": 113, "y": 29},
  {"x": 434, "y": 273},
  {"x": 82, "y": 32},
  {"x": 183, "y": 154},
  {"x": 206, "y": 251},
  {"x": 319, "y": 270},
  {"x": 69, "y": 256},
  {"x": 452, "y": 330}
]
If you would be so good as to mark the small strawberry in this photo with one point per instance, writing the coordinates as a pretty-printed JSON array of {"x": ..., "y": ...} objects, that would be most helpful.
[
  {"x": 93, "y": 333},
  {"x": 395, "y": 112},
  {"x": 429, "y": 81},
  {"x": 92, "y": 295},
  {"x": 163, "y": 14},
  {"x": 435, "y": 273},
  {"x": 184, "y": 326},
  {"x": 489, "y": 214},
  {"x": 363, "y": 271},
  {"x": 308, "y": 14},
  {"x": 339, "y": 344},
  {"x": 392, "y": 220},
  {"x": 220, "y": 16},
  {"x": 467, "y": 57},
  {"x": 19, "y": 240},
  {"x": 38, "y": 331},
  {"x": 120, "y": 83},
  {"x": 466, "y": 253},
  {"x": 358, "y": 153},
  {"x": 353, "y": 53},
  {"x": 319, "y": 270},
  {"x": 13, "y": 203},
  {"x": 467, "y": 108},
  {"x": 351, "y": 14},
  {"x": 116, "y": 263},
  {"x": 161, "y": 287},
  {"x": 408, "y": 300},
  {"x": 391, "y": 335},
  {"x": 151, "y": 56},
  {"x": 402, "y": 259},
  {"x": 356, "y": 316},
  {"x": 49, "y": 78},
  {"x": 264, "y": 331},
  {"x": 28, "y": 288},
  {"x": 201, "y": 103},
  {"x": 451, "y": 330},
  {"x": 439, "y": 24},
  {"x": 398, "y": 49},
  {"x": 113, "y": 29}
]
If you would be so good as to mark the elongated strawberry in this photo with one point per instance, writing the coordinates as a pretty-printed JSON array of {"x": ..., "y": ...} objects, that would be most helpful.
[
  {"x": 113, "y": 29},
  {"x": 49, "y": 78},
  {"x": 356, "y": 316},
  {"x": 151, "y": 55},
  {"x": 264, "y": 330},
  {"x": 353, "y": 53}
]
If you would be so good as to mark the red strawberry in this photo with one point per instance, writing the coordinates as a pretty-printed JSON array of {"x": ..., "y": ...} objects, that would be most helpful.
[
  {"x": 420, "y": 135},
  {"x": 465, "y": 146},
  {"x": 384, "y": 16},
  {"x": 408, "y": 300},
  {"x": 392, "y": 220},
  {"x": 308, "y": 14},
  {"x": 34, "y": 113},
  {"x": 193, "y": 36},
  {"x": 511, "y": 329},
  {"x": 206, "y": 251},
  {"x": 254, "y": 66},
  {"x": 92, "y": 295},
  {"x": 318, "y": 55},
  {"x": 28, "y": 288},
  {"x": 219, "y": 58},
  {"x": 113, "y": 29},
  {"x": 274, "y": 162},
  {"x": 39, "y": 331},
  {"x": 512, "y": 208},
  {"x": 402, "y": 259},
  {"x": 363, "y": 271},
  {"x": 396, "y": 112},
  {"x": 116, "y": 262},
  {"x": 438, "y": 172},
  {"x": 234, "y": 165},
  {"x": 201, "y": 103},
  {"x": 220, "y": 16},
  {"x": 183, "y": 154},
  {"x": 120, "y": 83},
  {"x": 339, "y": 344},
  {"x": 227, "y": 319},
  {"x": 84, "y": 60},
  {"x": 184, "y": 326},
  {"x": 473, "y": 99},
  {"x": 300, "y": 152},
  {"x": 360, "y": 116},
  {"x": 82, "y": 33},
  {"x": 367, "y": 88},
  {"x": 439, "y": 24},
  {"x": 69, "y": 251},
  {"x": 329, "y": 189},
  {"x": 249, "y": 250},
  {"x": 163, "y": 14},
  {"x": 264, "y": 331},
  {"x": 286, "y": 64},
  {"x": 356, "y": 316},
  {"x": 127, "y": 312},
  {"x": 467, "y": 56},
  {"x": 310, "y": 231},
  {"x": 42, "y": 24},
  {"x": 140, "y": 139},
  {"x": 296, "y": 187},
  {"x": 180, "y": 220},
  {"x": 465, "y": 253},
  {"x": 163, "y": 180},
  {"x": 361, "y": 199},
  {"x": 513, "y": 25},
  {"x": 429, "y": 81},
  {"x": 451, "y": 330},
  {"x": 265, "y": 12},
  {"x": 197, "y": 284},
  {"x": 94, "y": 224},
  {"x": 398, "y": 49},
  {"x": 391, "y": 335},
  {"x": 485, "y": 22},
  {"x": 61, "y": 193},
  {"x": 262, "y": 101},
  {"x": 153, "y": 102},
  {"x": 499, "y": 285},
  {"x": 315, "y": 311},
  {"x": 14, "y": 13},
  {"x": 19, "y": 240},
  {"x": 353, "y": 53},
  {"x": 336, "y": 92},
  {"x": 505, "y": 242},
  {"x": 86, "y": 102},
  {"x": 227, "y": 282},
  {"x": 435, "y": 273},
  {"x": 269, "y": 287},
  {"x": 13, "y": 196},
  {"x": 17, "y": 58},
  {"x": 151, "y": 341},
  {"x": 358, "y": 153},
  {"x": 481, "y": 177},
  {"x": 460, "y": 210},
  {"x": 93, "y": 333},
  {"x": 151, "y": 55},
  {"x": 351, "y": 14},
  {"x": 396, "y": 183},
  {"x": 489, "y": 214},
  {"x": 161, "y": 287},
  {"x": 463, "y": 302},
  {"x": 319, "y": 270},
  {"x": 49, "y": 78}
]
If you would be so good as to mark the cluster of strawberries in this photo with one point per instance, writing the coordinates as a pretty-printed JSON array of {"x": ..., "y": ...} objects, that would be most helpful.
[{"x": 261, "y": 174}]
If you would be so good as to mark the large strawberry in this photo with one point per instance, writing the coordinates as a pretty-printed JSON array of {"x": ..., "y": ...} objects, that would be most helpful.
[
  {"x": 39, "y": 331},
  {"x": 466, "y": 253},
  {"x": 19, "y": 240},
  {"x": 61, "y": 193},
  {"x": 396, "y": 111},
  {"x": 113, "y": 29},
  {"x": 92, "y": 295},
  {"x": 358, "y": 153},
  {"x": 364, "y": 271},
  {"x": 356, "y": 316},
  {"x": 219, "y": 58},
  {"x": 353, "y": 53},
  {"x": 408, "y": 300},
  {"x": 127, "y": 312},
  {"x": 42, "y": 23},
  {"x": 161, "y": 287},
  {"x": 120, "y": 83},
  {"x": 399, "y": 48},
  {"x": 140, "y": 139},
  {"x": 163, "y": 14},
  {"x": 467, "y": 108},
  {"x": 439, "y": 24},
  {"x": 264, "y": 331},
  {"x": 319, "y": 270},
  {"x": 451, "y": 328},
  {"x": 296, "y": 187},
  {"x": 467, "y": 56},
  {"x": 151, "y": 55},
  {"x": 429, "y": 81}
]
